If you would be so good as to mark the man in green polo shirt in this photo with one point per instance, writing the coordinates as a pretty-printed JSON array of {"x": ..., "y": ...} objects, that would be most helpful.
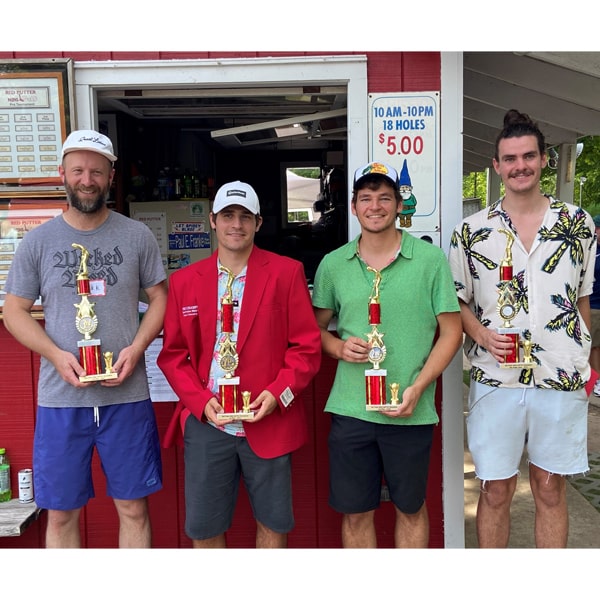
[{"x": 417, "y": 328}]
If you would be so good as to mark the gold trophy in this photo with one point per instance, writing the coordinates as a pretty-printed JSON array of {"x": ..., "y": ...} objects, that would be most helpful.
[
  {"x": 376, "y": 399},
  {"x": 86, "y": 322},
  {"x": 234, "y": 407},
  {"x": 508, "y": 307}
]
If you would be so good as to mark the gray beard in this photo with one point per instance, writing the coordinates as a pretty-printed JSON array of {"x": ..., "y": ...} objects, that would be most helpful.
[{"x": 85, "y": 207}]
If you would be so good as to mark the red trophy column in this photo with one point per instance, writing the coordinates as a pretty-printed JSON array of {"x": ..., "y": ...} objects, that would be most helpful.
[
  {"x": 508, "y": 307},
  {"x": 228, "y": 360},
  {"x": 228, "y": 385},
  {"x": 375, "y": 377},
  {"x": 86, "y": 323}
]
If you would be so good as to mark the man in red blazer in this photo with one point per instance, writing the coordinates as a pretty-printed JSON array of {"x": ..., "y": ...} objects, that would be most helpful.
[{"x": 249, "y": 309}]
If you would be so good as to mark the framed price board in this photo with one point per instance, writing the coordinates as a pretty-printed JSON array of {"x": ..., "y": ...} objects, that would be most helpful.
[
  {"x": 36, "y": 114},
  {"x": 405, "y": 134}
]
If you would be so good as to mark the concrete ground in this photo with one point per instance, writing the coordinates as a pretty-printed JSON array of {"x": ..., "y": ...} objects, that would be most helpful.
[{"x": 583, "y": 497}]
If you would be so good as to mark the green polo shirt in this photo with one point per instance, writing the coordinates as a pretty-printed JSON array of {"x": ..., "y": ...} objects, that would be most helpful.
[{"x": 415, "y": 287}]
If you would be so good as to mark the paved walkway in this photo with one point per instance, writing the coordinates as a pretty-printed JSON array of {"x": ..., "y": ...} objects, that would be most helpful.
[{"x": 589, "y": 486}]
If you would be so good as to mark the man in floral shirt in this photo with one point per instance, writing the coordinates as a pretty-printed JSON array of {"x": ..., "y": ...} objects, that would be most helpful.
[{"x": 543, "y": 251}]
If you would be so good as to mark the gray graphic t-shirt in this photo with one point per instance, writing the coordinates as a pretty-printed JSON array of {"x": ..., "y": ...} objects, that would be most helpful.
[{"x": 124, "y": 258}]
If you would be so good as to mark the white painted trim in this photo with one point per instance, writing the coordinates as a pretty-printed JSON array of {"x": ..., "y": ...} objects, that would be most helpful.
[
  {"x": 453, "y": 495},
  {"x": 91, "y": 76}
]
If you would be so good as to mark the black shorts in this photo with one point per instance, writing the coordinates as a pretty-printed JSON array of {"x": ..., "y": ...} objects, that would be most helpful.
[{"x": 361, "y": 454}]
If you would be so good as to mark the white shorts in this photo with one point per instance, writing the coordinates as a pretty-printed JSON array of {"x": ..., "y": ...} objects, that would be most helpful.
[{"x": 502, "y": 421}]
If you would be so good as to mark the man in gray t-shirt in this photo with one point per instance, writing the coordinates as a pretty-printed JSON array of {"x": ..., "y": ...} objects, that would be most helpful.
[{"x": 77, "y": 412}]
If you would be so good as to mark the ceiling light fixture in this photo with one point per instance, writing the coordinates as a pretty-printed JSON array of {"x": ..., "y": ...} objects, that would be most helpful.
[{"x": 290, "y": 130}]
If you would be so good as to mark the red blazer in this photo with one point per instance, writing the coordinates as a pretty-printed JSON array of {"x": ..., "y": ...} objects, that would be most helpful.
[{"x": 278, "y": 344}]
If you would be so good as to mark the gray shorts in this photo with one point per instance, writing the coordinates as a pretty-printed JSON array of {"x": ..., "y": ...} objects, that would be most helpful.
[
  {"x": 214, "y": 462},
  {"x": 552, "y": 424}
]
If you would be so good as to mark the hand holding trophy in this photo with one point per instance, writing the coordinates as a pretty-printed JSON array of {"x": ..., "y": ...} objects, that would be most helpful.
[
  {"x": 234, "y": 407},
  {"x": 508, "y": 307},
  {"x": 375, "y": 377},
  {"x": 86, "y": 323}
]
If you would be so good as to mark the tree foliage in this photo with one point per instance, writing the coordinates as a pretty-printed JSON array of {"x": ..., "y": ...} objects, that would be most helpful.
[
  {"x": 586, "y": 194},
  {"x": 475, "y": 185},
  {"x": 587, "y": 166}
]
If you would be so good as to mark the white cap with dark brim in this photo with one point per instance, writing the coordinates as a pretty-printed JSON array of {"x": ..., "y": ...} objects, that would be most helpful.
[{"x": 88, "y": 139}]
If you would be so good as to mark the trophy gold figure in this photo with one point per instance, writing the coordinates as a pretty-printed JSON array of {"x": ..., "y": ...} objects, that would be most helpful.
[
  {"x": 234, "y": 406},
  {"x": 375, "y": 377},
  {"x": 86, "y": 323},
  {"x": 508, "y": 307}
]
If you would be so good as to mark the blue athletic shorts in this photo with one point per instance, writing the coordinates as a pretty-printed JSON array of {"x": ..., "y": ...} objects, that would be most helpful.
[
  {"x": 125, "y": 437},
  {"x": 361, "y": 454},
  {"x": 214, "y": 461}
]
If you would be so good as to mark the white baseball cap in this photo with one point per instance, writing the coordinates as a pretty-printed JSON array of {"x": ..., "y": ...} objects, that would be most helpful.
[
  {"x": 88, "y": 139},
  {"x": 238, "y": 193}
]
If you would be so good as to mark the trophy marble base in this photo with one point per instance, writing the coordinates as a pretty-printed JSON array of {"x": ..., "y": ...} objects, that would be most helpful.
[
  {"x": 518, "y": 365},
  {"x": 237, "y": 416},
  {"x": 99, "y": 377},
  {"x": 381, "y": 407}
]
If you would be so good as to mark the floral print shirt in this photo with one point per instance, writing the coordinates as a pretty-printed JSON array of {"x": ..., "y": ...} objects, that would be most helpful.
[{"x": 546, "y": 282}]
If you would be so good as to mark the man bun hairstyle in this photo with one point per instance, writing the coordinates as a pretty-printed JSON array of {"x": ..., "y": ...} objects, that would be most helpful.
[{"x": 518, "y": 124}]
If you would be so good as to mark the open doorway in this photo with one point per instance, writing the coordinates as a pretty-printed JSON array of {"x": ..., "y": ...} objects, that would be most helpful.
[
  {"x": 301, "y": 186},
  {"x": 167, "y": 113}
]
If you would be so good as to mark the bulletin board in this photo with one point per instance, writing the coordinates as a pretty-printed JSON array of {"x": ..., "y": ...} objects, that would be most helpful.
[{"x": 36, "y": 115}]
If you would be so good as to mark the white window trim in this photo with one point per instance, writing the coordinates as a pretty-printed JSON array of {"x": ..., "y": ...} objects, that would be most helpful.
[{"x": 349, "y": 70}]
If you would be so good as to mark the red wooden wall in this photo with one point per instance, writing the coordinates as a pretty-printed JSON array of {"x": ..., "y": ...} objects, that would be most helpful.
[
  {"x": 386, "y": 71},
  {"x": 317, "y": 526}
]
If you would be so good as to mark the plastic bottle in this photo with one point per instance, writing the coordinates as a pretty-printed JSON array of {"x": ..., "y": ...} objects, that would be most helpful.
[
  {"x": 196, "y": 182},
  {"x": 188, "y": 185},
  {"x": 177, "y": 184},
  {"x": 170, "y": 184},
  {"x": 162, "y": 184},
  {"x": 5, "y": 493}
]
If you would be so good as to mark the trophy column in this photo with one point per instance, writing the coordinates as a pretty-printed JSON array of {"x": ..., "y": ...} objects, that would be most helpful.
[
  {"x": 234, "y": 407},
  {"x": 375, "y": 377},
  {"x": 86, "y": 323},
  {"x": 508, "y": 307}
]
